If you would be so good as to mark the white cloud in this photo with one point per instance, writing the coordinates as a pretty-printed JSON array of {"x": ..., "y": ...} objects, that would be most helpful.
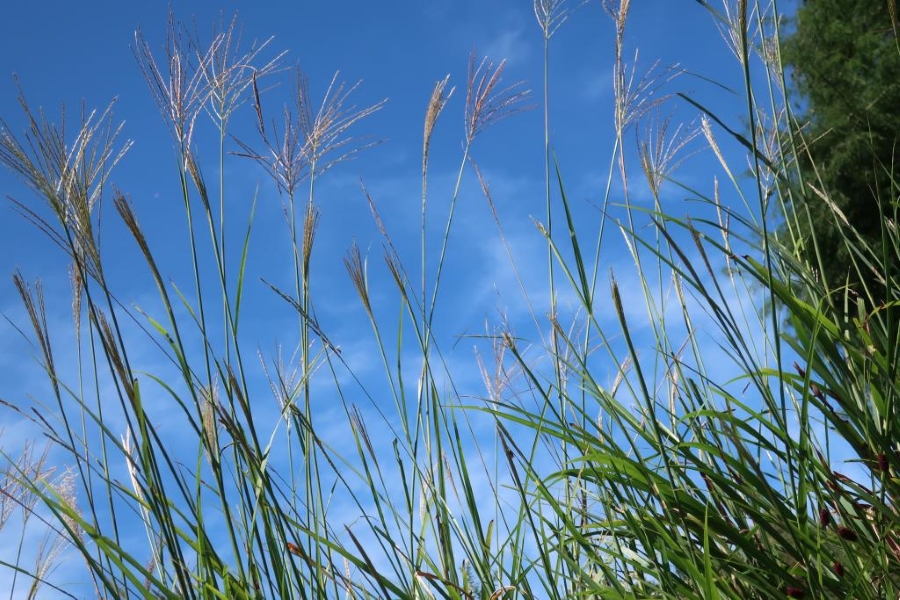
[{"x": 509, "y": 45}]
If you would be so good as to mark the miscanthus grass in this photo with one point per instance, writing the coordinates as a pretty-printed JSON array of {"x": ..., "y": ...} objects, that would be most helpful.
[{"x": 722, "y": 427}]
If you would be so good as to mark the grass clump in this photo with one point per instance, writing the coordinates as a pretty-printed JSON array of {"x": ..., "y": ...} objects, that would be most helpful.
[{"x": 705, "y": 431}]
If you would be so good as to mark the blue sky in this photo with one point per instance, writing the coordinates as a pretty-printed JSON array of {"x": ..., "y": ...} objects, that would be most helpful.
[
  {"x": 69, "y": 52},
  {"x": 72, "y": 53}
]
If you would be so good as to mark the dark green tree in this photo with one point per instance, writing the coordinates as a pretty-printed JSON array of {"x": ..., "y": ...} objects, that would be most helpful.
[{"x": 844, "y": 64}]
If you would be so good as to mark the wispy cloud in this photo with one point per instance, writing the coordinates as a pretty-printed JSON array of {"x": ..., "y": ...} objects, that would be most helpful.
[
  {"x": 510, "y": 44},
  {"x": 597, "y": 86}
]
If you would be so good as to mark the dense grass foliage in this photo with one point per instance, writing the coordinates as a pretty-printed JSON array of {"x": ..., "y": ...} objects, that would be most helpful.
[{"x": 706, "y": 432}]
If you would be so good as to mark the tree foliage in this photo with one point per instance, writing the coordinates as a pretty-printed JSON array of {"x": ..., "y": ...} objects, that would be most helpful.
[{"x": 844, "y": 61}]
